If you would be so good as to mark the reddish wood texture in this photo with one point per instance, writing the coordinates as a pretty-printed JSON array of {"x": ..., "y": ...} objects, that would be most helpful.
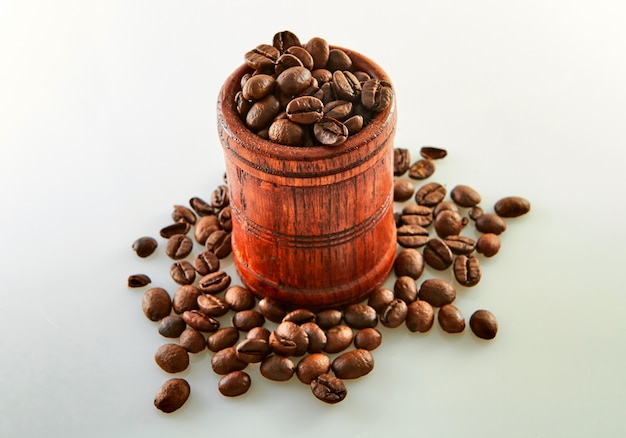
[{"x": 312, "y": 227}]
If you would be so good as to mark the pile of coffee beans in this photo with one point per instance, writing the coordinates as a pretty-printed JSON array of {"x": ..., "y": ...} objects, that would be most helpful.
[
  {"x": 322, "y": 349},
  {"x": 307, "y": 94}
]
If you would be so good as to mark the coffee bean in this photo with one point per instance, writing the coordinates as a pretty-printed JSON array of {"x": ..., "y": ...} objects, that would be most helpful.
[
  {"x": 253, "y": 350},
  {"x": 329, "y": 389},
  {"x": 312, "y": 366},
  {"x": 171, "y": 326},
  {"x": 299, "y": 316},
  {"x": 286, "y": 132},
  {"x": 430, "y": 194},
  {"x": 354, "y": 124},
  {"x": 360, "y": 316},
  {"x": 201, "y": 207},
  {"x": 185, "y": 298},
  {"x": 205, "y": 226},
  {"x": 258, "y": 86},
  {"x": 272, "y": 309},
  {"x": 437, "y": 255},
  {"x": 138, "y": 280},
  {"x": 262, "y": 57},
  {"x": 460, "y": 244},
  {"x": 338, "y": 60},
  {"x": 330, "y": 132},
  {"x": 305, "y": 110},
  {"x": 222, "y": 338},
  {"x": 329, "y": 318},
  {"x": 405, "y": 288},
  {"x": 225, "y": 218},
  {"x": 183, "y": 214},
  {"x": 214, "y": 282},
  {"x": 172, "y": 358},
  {"x": 403, "y": 190},
  {"x": 262, "y": 113},
  {"x": 219, "y": 243},
  {"x": 245, "y": 320},
  {"x": 436, "y": 292},
  {"x": 432, "y": 152},
  {"x": 178, "y": 246},
  {"x": 445, "y": 205},
  {"x": 512, "y": 206},
  {"x": 175, "y": 228},
  {"x": 346, "y": 85},
  {"x": 182, "y": 272},
  {"x": 448, "y": 223},
  {"x": 488, "y": 244},
  {"x": 422, "y": 169},
  {"x": 239, "y": 298},
  {"x": 192, "y": 340},
  {"x": 305, "y": 58},
  {"x": 412, "y": 236},
  {"x": 368, "y": 339},
  {"x": 220, "y": 197},
  {"x": 289, "y": 339},
  {"x": 353, "y": 364},
  {"x": 415, "y": 214},
  {"x": 483, "y": 324},
  {"x": 467, "y": 270},
  {"x": 277, "y": 368},
  {"x": 212, "y": 305},
  {"x": 225, "y": 361},
  {"x": 380, "y": 298},
  {"x": 338, "y": 338},
  {"x": 338, "y": 109},
  {"x": 317, "y": 337},
  {"x": 258, "y": 333},
  {"x": 319, "y": 50},
  {"x": 409, "y": 262},
  {"x": 172, "y": 395},
  {"x": 475, "y": 212},
  {"x": 156, "y": 304},
  {"x": 394, "y": 314},
  {"x": 234, "y": 384},
  {"x": 284, "y": 40},
  {"x": 206, "y": 262},
  {"x": 450, "y": 319},
  {"x": 465, "y": 196},
  {"x": 293, "y": 81},
  {"x": 200, "y": 321},
  {"x": 376, "y": 95},
  {"x": 490, "y": 223},
  {"x": 401, "y": 161},
  {"x": 420, "y": 316},
  {"x": 144, "y": 246}
]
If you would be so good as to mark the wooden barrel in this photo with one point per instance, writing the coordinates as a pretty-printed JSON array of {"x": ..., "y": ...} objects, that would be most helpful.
[{"x": 312, "y": 226}]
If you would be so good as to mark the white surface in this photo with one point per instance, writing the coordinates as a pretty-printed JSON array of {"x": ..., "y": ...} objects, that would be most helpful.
[{"x": 107, "y": 120}]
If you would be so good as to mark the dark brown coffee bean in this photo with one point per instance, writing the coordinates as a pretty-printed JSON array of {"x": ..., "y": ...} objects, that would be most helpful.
[
  {"x": 512, "y": 206},
  {"x": 286, "y": 132},
  {"x": 262, "y": 57},
  {"x": 354, "y": 124},
  {"x": 430, "y": 194},
  {"x": 394, "y": 314},
  {"x": 338, "y": 60},
  {"x": 212, "y": 305},
  {"x": 328, "y": 318},
  {"x": 185, "y": 298},
  {"x": 306, "y": 60},
  {"x": 445, "y": 205},
  {"x": 225, "y": 361},
  {"x": 319, "y": 50},
  {"x": 432, "y": 152},
  {"x": 488, "y": 244},
  {"x": 405, "y": 288},
  {"x": 192, "y": 340},
  {"x": 258, "y": 333},
  {"x": 401, "y": 161},
  {"x": 171, "y": 326},
  {"x": 415, "y": 214},
  {"x": 225, "y": 218},
  {"x": 460, "y": 244},
  {"x": 172, "y": 358},
  {"x": 465, "y": 196},
  {"x": 293, "y": 81},
  {"x": 262, "y": 112},
  {"x": 305, "y": 110},
  {"x": 205, "y": 226},
  {"x": 253, "y": 350},
  {"x": 346, "y": 85},
  {"x": 317, "y": 337},
  {"x": 437, "y": 255},
  {"x": 437, "y": 292},
  {"x": 376, "y": 95},
  {"x": 242, "y": 105},
  {"x": 239, "y": 298},
  {"x": 450, "y": 319},
  {"x": 138, "y": 280},
  {"x": 222, "y": 338},
  {"x": 322, "y": 75},
  {"x": 285, "y": 61},
  {"x": 420, "y": 316},
  {"x": 182, "y": 272},
  {"x": 234, "y": 384},
  {"x": 201, "y": 207},
  {"x": 289, "y": 339},
  {"x": 245, "y": 320},
  {"x": 412, "y": 236},
  {"x": 214, "y": 282},
  {"x": 409, "y": 262},
  {"x": 310, "y": 367},
  {"x": 156, "y": 304},
  {"x": 330, "y": 132},
  {"x": 200, "y": 321},
  {"x": 183, "y": 214},
  {"x": 172, "y": 395},
  {"x": 284, "y": 40},
  {"x": 368, "y": 339},
  {"x": 353, "y": 364},
  {"x": 403, "y": 190},
  {"x": 144, "y": 246},
  {"x": 175, "y": 228},
  {"x": 475, "y": 212},
  {"x": 277, "y": 368},
  {"x": 220, "y": 197},
  {"x": 467, "y": 270},
  {"x": 448, "y": 223},
  {"x": 338, "y": 109},
  {"x": 329, "y": 389},
  {"x": 272, "y": 309},
  {"x": 206, "y": 262},
  {"x": 300, "y": 316},
  {"x": 258, "y": 86},
  {"x": 483, "y": 324},
  {"x": 360, "y": 316},
  {"x": 490, "y": 223},
  {"x": 422, "y": 169},
  {"x": 380, "y": 298},
  {"x": 178, "y": 246},
  {"x": 338, "y": 338}
]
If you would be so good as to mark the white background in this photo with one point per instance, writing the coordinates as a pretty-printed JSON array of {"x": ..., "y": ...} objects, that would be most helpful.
[{"x": 107, "y": 120}]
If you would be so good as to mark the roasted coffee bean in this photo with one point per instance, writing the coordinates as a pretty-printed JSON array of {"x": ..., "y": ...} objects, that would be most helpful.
[
  {"x": 401, "y": 161},
  {"x": 483, "y": 324},
  {"x": 214, "y": 282},
  {"x": 420, "y": 316},
  {"x": 322, "y": 75},
  {"x": 338, "y": 109},
  {"x": 286, "y": 132},
  {"x": 245, "y": 320},
  {"x": 219, "y": 243},
  {"x": 234, "y": 384},
  {"x": 412, "y": 236},
  {"x": 200, "y": 321},
  {"x": 475, "y": 212},
  {"x": 172, "y": 395},
  {"x": 405, "y": 288},
  {"x": 144, "y": 246},
  {"x": 156, "y": 304},
  {"x": 172, "y": 358},
  {"x": 465, "y": 196},
  {"x": 192, "y": 340},
  {"x": 415, "y": 214},
  {"x": 460, "y": 244},
  {"x": 409, "y": 262},
  {"x": 178, "y": 246},
  {"x": 432, "y": 152},
  {"x": 338, "y": 60},
  {"x": 242, "y": 105},
  {"x": 201, "y": 207},
  {"x": 171, "y": 326},
  {"x": 346, "y": 85},
  {"x": 183, "y": 214},
  {"x": 262, "y": 112},
  {"x": 380, "y": 298},
  {"x": 300, "y": 316},
  {"x": 284, "y": 40},
  {"x": 182, "y": 272},
  {"x": 330, "y": 132},
  {"x": 258, "y": 86},
  {"x": 175, "y": 228},
  {"x": 220, "y": 197},
  {"x": 338, "y": 338},
  {"x": 354, "y": 124},
  {"x": 376, "y": 95},
  {"x": 490, "y": 223},
  {"x": 138, "y": 280},
  {"x": 368, "y": 339},
  {"x": 277, "y": 368},
  {"x": 360, "y": 316},
  {"x": 305, "y": 110},
  {"x": 422, "y": 169},
  {"x": 436, "y": 292},
  {"x": 328, "y": 318},
  {"x": 293, "y": 81},
  {"x": 430, "y": 194},
  {"x": 206, "y": 262},
  {"x": 488, "y": 244},
  {"x": 224, "y": 217},
  {"x": 253, "y": 350},
  {"x": 225, "y": 361},
  {"x": 353, "y": 364},
  {"x": 317, "y": 337},
  {"x": 445, "y": 205},
  {"x": 394, "y": 314},
  {"x": 437, "y": 255},
  {"x": 185, "y": 298},
  {"x": 258, "y": 333},
  {"x": 272, "y": 309},
  {"x": 512, "y": 206},
  {"x": 448, "y": 223},
  {"x": 305, "y": 57},
  {"x": 223, "y": 338},
  {"x": 403, "y": 190},
  {"x": 262, "y": 57},
  {"x": 451, "y": 319},
  {"x": 467, "y": 270},
  {"x": 239, "y": 298},
  {"x": 289, "y": 339},
  {"x": 319, "y": 50},
  {"x": 311, "y": 366},
  {"x": 212, "y": 305},
  {"x": 329, "y": 389}
]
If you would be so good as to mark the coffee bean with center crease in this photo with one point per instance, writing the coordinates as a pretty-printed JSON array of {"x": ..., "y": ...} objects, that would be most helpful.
[
  {"x": 289, "y": 339},
  {"x": 253, "y": 350},
  {"x": 329, "y": 389},
  {"x": 512, "y": 206},
  {"x": 175, "y": 228},
  {"x": 219, "y": 243},
  {"x": 412, "y": 236},
  {"x": 317, "y": 337},
  {"x": 183, "y": 214},
  {"x": 201, "y": 207},
  {"x": 330, "y": 132},
  {"x": 277, "y": 368},
  {"x": 401, "y": 161},
  {"x": 394, "y": 314},
  {"x": 409, "y": 262},
  {"x": 415, "y": 214},
  {"x": 437, "y": 255},
  {"x": 138, "y": 280},
  {"x": 376, "y": 95},
  {"x": 305, "y": 110},
  {"x": 206, "y": 262},
  {"x": 182, "y": 272},
  {"x": 422, "y": 169},
  {"x": 144, "y": 246},
  {"x": 212, "y": 305},
  {"x": 220, "y": 197},
  {"x": 178, "y": 246},
  {"x": 437, "y": 292},
  {"x": 214, "y": 282},
  {"x": 201, "y": 322},
  {"x": 346, "y": 85},
  {"x": 460, "y": 244},
  {"x": 430, "y": 194},
  {"x": 353, "y": 364},
  {"x": 284, "y": 40},
  {"x": 465, "y": 196},
  {"x": 225, "y": 218},
  {"x": 360, "y": 316},
  {"x": 467, "y": 270},
  {"x": 262, "y": 57},
  {"x": 172, "y": 395},
  {"x": 433, "y": 152},
  {"x": 338, "y": 109},
  {"x": 300, "y": 316}
]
